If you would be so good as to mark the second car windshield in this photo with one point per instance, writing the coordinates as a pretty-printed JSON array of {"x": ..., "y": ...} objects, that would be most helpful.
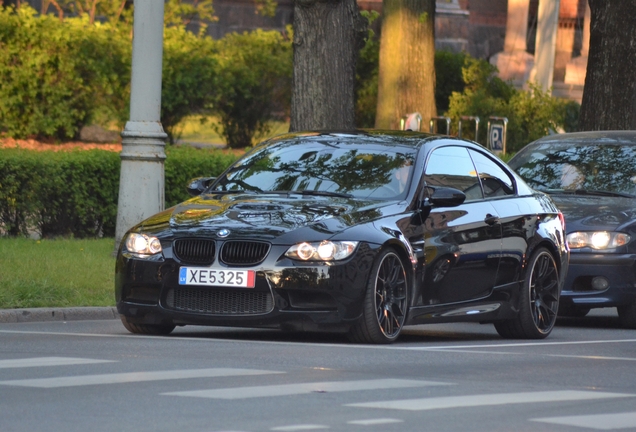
[
  {"x": 608, "y": 168},
  {"x": 351, "y": 168}
]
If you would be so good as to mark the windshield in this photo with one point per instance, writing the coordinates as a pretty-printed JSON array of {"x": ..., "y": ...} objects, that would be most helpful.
[
  {"x": 348, "y": 167},
  {"x": 571, "y": 167}
]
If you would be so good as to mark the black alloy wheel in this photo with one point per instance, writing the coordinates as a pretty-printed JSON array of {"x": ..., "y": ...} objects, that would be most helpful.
[
  {"x": 385, "y": 303},
  {"x": 146, "y": 329},
  {"x": 539, "y": 300}
]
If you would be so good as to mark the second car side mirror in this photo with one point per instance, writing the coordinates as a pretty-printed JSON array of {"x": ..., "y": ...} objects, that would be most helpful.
[{"x": 199, "y": 184}]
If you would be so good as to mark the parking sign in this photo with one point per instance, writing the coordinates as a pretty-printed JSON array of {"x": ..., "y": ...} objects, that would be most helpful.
[
  {"x": 497, "y": 134},
  {"x": 496, "y": 137}
]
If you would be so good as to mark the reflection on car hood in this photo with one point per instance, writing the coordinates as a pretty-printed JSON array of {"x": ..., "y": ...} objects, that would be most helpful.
[
  {"x": 585, "y": 213},
  {"x": 265, "y": 217}
]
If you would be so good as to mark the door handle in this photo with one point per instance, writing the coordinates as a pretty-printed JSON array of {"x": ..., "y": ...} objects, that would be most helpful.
[{"x": 491, "y": 220}]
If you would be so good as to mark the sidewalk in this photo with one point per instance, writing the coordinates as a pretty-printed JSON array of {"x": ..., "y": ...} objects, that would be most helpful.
[{"x": 57, "y": 314}]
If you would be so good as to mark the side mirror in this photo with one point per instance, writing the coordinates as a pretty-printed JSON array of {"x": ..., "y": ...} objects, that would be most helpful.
[
  {"x": 198, "y": 185},
  {"x": 446, "y": 197}
]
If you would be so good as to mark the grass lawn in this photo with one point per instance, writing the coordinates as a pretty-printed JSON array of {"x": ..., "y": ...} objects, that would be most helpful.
[{"x": 56, "y": 273}]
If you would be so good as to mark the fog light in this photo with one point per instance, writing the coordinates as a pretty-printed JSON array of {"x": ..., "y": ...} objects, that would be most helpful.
[{"x": 599, "y": 283}]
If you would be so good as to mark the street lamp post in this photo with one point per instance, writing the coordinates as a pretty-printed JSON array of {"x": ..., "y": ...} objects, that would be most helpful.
[{"x": 141, "y": 182}]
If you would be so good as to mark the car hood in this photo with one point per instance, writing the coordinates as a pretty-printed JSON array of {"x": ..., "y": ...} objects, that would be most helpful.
[
  {"x": 266, "y": 216},
  {"x": 586, "y": 213}
]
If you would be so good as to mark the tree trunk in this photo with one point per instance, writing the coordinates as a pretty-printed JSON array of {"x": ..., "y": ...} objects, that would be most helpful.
[
  {"x": 327, "y": 37},
  {"x": 609, "y": 96},
  {"x": 406, "y": 81}
]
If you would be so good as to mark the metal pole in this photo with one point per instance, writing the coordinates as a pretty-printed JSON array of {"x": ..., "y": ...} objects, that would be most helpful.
[
  {"x": 141, "y": 182},
  {"x": 433, "y": 124},
  {"x": 469, "y": 118}
]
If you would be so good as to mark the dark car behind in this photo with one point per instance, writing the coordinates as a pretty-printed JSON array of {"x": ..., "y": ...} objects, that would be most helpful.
[{"x": 591, "y": 176}]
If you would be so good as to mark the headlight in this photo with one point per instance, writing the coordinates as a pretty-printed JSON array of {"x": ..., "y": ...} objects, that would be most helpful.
[
  {"x": 142, "y": 244},
  {"x": 597, "y": 239},
  {"x": 323, "y": 251}
]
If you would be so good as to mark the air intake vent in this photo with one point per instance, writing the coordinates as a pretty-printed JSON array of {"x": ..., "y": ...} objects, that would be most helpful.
[
  {"x": 244, "y": 253},
  {"x": 219, "y": 302},
  {"x": 194, "y": 251}
]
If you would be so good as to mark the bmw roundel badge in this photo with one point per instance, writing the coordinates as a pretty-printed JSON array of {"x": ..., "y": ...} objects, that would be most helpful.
[{"x": 223, "y": 233}]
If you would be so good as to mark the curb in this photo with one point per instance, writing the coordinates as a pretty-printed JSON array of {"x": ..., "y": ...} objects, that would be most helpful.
[{"x": 57, "y": 314}]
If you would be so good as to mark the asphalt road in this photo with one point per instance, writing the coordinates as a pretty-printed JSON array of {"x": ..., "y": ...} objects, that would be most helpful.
[{"x": 79, "y": 375}]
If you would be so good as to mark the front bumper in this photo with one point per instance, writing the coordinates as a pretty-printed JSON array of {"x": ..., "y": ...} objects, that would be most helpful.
[
  {"x": 287, "y": 293},
  {"x": 618, "y": 269}
]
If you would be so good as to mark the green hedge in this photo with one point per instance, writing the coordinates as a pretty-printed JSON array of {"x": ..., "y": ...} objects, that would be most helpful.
[
  {"x": 57, "y": 77},
  {"x": 75, "y": 193}
]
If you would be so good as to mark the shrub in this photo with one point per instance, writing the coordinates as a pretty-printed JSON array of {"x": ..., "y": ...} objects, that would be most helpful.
[
  {"x": 75, "y": 193},
  {"x": 255, "y": 71},
  {"x": 366, "y": 84},
  {"x": 189, "y": 77},
  {"x": 531, "y": 114},
  {"x": 183, "y": 163},
  {"x": 57, "y": 75},
  {"x": 18, "y": 170},
  {"x": 448, "y": 76}
]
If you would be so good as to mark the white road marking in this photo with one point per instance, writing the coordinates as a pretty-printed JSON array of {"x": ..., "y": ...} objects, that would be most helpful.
[
  {"x": 588, "y": 357},
  {"x": 373, "y": 422},
  {"x": 488, "y": 400},
  {"x": 598, "y": 421},
  {"x": 395, "y": 347},
  {"x": 303, "y": 388},
  {"x": 131, "y": 377},
  {"x": 49, "y": 361},
  {"x": 300, "y": 427}
]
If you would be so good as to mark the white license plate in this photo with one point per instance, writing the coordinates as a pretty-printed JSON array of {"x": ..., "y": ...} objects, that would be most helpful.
[{"x": 216, "y": 277}]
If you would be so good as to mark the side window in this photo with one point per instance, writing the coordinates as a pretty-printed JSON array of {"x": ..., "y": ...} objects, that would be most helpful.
[
  {"x": 494, "y": 180},
  {"x": 453, "y": 167}
]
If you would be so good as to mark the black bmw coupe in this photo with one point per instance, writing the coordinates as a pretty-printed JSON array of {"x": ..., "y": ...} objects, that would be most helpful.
[{"x": 359, "y": 232}]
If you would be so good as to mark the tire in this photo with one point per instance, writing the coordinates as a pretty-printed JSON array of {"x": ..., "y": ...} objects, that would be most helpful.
[
  {"x": 627, "y": 315},
  {"x": 385, "y": 302},
  {"x": 539, "y": 300},
  {"x": 147, "y": 329}
]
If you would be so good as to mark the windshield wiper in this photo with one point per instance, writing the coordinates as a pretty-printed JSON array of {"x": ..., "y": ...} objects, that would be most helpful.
[
  {"x": 247, "y": 188},
  {"x": 230, "y": 192},
  {"x": 589, "y": 192},
  {"x": 322, "y": 193}
]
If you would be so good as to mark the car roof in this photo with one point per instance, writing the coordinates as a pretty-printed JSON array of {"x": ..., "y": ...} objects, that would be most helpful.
[
  {"x": 623, "y": 137},
  {"x": 409, "y": 138}
]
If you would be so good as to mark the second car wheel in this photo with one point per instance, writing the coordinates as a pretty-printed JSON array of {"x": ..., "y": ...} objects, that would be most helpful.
[
  {"x": 385, "y": 303},
  {"x": 538, "y": 302}
]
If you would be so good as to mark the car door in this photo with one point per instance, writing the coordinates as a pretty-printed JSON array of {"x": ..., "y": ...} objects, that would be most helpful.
[
  {"x": 513, "y": 212},
  {"x": 462, "y": 245}
]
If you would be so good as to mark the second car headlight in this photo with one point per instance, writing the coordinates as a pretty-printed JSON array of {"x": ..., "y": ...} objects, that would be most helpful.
[
  {"x": 143, "y": 245},
  {"x": 323, "y": 251},
  {"x": 597, "y": 239}
]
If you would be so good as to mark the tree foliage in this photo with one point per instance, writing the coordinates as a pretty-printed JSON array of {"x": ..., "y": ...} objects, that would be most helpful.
[
  {"x": 366, "y": 85},
  {"x": 531, "y": 114}
]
